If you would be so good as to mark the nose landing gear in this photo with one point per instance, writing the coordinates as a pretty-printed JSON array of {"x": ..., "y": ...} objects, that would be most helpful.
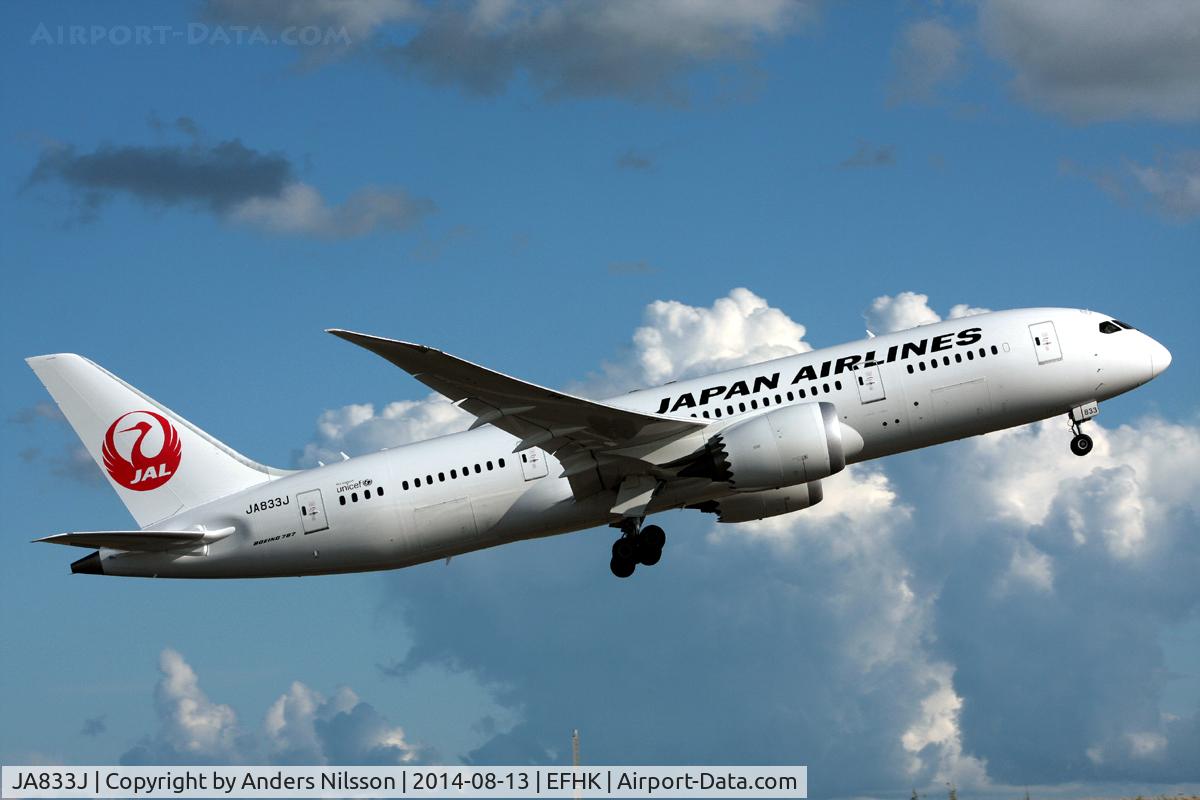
[
  {"x": 1081, "y": 443},
  {"x": 637, "y": 545}
]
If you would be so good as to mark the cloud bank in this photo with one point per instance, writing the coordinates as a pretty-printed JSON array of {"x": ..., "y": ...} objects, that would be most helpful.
[
  {"x": 236, "y": 183},
  {"x": 301, "y": 727},
  {"x": 991, "y": 616},
  {"x": 621, "y": 49},
  {"x": 1099, "y": 59}
]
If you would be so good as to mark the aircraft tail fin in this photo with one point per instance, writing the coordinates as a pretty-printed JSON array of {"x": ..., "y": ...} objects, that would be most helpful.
[{"x": 157, "y": 462}]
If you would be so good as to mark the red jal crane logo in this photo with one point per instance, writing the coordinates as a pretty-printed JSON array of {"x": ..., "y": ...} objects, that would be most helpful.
[{"x": 139, "y": 471}]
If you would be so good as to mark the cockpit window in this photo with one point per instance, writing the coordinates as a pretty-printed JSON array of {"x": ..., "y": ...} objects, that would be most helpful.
[
  {"x": 1109, "y": 327},
  {"x": 1125, "y": 325}
]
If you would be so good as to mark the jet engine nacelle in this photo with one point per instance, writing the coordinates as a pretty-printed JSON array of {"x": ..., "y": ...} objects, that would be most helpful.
[
  {"x": 749, "y": 506},
  {"x": 785, "y": 447}
]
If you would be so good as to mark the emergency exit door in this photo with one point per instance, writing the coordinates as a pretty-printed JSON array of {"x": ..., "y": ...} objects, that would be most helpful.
[
  {"x": 1045, "y": 342},
  {"x": 312, "y": 511},
  {"x": 533, "y": 463},
  {"x": 870, "y": 384}
]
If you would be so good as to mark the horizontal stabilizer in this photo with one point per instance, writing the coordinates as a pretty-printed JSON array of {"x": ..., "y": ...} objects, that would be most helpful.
[{"x": 138, "y": 541}]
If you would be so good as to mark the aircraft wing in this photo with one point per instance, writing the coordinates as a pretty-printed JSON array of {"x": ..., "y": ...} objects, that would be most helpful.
[
  {"x": 138, "y": 541},
  {"x": 555, "y": 421}
]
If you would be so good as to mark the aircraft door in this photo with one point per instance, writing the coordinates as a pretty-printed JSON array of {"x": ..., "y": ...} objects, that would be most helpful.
[
  {"x": 870, "y": 384},
  {"x": 533, "y": 463},
  {"x": 1045, "y": 342},
  {"x": 312, "y": 511}
]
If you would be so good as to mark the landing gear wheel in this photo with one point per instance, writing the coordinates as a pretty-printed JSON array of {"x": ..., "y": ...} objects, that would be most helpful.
[
  {"x": 637, "y": 545},
  {"x": 649, "y": 555},
  {"x": 625, "y": 549},
  {"x": 1081, "y": 445},
  {"x": 650, "y": 545},
  {"x": 654, "y": 535},
  {"x": 621, "y": 568}
]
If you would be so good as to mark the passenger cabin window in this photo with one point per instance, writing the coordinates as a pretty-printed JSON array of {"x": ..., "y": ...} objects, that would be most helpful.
[
  {"x": 501, "y": 461},
  {"x": 1109, "y": 327},
  {"x": 379, "y": 490},
  {"x": 341, "y": 500}
]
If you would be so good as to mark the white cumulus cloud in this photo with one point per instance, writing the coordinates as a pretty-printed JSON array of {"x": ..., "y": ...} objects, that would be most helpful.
[
  {"x": 677, "y": 340},
  {"x": 359, "y": 428},
  {"x": 301, "y": 727},
  {"x": 906, "y": 310},
  {"x": 192, "y": 728}
]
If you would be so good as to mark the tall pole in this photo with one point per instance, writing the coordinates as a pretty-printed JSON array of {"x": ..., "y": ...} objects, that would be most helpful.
[{"x": 575, "y": 759}]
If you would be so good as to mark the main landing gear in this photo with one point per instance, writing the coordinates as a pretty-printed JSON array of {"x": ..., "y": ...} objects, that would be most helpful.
[
  {"x": 1081, "y": 443},
  {"x": 637, "y": 545}
]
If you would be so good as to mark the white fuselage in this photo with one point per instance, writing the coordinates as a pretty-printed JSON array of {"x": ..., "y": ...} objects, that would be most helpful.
[{"x": 926, "y": 385}]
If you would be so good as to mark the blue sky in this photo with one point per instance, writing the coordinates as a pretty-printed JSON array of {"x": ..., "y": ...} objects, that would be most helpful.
[{"x": 520, "y": 187}]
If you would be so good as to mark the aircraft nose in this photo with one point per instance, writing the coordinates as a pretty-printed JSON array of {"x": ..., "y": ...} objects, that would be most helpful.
[{"x": 1160, "y": 358}]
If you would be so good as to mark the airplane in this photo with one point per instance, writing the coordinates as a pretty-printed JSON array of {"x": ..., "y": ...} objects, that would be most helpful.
[{"x": 743, "y": 444}]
